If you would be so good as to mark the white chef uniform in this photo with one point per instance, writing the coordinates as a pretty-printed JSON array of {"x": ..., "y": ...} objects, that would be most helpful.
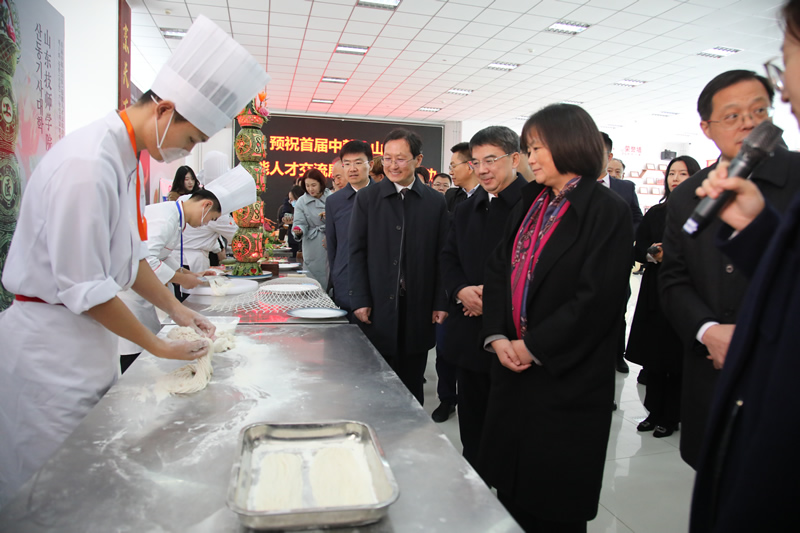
[
  {"x": 77, "y": 245},
  {"x": 165, "y": 222},
  {"x": 198, "y": 242}
]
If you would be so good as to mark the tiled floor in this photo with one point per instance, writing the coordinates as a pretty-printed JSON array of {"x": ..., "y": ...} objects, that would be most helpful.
[{"x": 647, "y": 488}]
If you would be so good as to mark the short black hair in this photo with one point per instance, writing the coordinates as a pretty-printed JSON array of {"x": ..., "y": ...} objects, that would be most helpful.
[
  {"x": 572, "y": 137},
  {"x": 297, "y": 191},
  {"x": 609, "y": 144},
  {"x": 500, "y": 136},
  {"x": 443, "y": 175},
  {"x": 413, "y": 140},
  {"x": 463, "y": 150},
  {"x": 620, "y": 162},
  {"x": 147, "y": 98},
  {"x": 205, "y": 194},
  {"x": 705, "y": 104},
  {"x": 356, "y": 147},
  {"x": 423, "y": 174},
  {"x": 790, "y": 19}
]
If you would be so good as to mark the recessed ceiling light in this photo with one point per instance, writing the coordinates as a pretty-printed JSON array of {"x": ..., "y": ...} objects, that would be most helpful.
[
  {"x": 522, "y": 117},
  {"x": 351, "y": 49},
  {"x": 669, "y": 113},
  {"x": 430, "y": 109},
  {"x": 567, "y": 27},
  {"x": 573, "y": 102},
  {"x": 382, "y": 4},
  {"x": 173, "y": 33},
  {"x": 719, "y": 52},
  {"x": 612, "y": 126},
  {"x": 321, "y": 101},
  {"x": 629, "y": 83},
  {"x": 502, "y": 66},
  {"x": 460, "y": 91},
  {"x": 660, "y": 115},
  {"x": 329, "y": 79}
]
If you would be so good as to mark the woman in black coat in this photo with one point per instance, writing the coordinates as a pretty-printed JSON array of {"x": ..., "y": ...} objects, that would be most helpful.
[
  {"x": 653, "y": 343},
  {"x": 551, "y": 292}
]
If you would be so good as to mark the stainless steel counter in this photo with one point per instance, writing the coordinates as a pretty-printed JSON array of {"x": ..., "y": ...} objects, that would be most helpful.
[{"x": 145, "y": 461}]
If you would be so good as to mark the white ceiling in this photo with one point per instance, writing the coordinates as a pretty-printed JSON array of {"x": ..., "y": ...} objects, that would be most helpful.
[{"x": 425, "y": 47}]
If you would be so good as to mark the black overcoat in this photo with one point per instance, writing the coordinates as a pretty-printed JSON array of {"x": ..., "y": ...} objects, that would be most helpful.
[
  {"x": 547, "y": 427},
  {"x": 653, "y": 342},
  {"x": 380, "y": 222},
  {"x": 748, "y": 472},
  {"x": 476, "y": 230},
  {"x": 699, "y": 284}
]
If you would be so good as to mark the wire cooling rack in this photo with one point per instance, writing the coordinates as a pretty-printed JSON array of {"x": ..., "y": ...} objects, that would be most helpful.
[{"x": 278, "y": 296}]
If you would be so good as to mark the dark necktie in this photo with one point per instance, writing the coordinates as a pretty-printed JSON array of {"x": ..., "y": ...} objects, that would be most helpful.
[{"x": 403, "y": 192}]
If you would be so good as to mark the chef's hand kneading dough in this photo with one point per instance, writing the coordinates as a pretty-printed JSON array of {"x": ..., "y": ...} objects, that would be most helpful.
[{"x": 195, "y": 376}]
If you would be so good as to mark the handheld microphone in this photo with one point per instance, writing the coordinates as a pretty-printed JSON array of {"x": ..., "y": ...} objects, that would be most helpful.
[{"x": 755, "y": 148}]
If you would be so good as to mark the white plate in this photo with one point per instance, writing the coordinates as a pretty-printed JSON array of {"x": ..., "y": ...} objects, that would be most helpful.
[
  {"x": 289, "y": 287},
  {"x": 316, "y": 312},
  {"x": 265, "y": 275},
  {"x": 288, "y": 266},
  {"x": 236, "y": 286}
]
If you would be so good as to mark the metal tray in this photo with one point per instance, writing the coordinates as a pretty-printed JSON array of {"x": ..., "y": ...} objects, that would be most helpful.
[{"x": 305, "y": 440}]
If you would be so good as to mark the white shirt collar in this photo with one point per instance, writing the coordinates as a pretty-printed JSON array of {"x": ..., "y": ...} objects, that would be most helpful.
[
  {"x": 401, "y": 187},
  {"x": 491, "y": 196},
  {"x": 471, "y": 192},
  {"x": 606, "y": 181}
]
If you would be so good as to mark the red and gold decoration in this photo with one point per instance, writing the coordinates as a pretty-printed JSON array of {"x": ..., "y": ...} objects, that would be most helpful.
[{"x": 250, "y": 242}]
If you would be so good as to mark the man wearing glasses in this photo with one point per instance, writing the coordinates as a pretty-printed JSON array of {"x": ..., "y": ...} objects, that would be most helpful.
[
  {"x": 476, "y": 230},
  {"x": 355, "y": 163},
  {"x": 464, "y": 176},
  {"x": 397, "y": 231},
  {"x": 701, "y": 291}
]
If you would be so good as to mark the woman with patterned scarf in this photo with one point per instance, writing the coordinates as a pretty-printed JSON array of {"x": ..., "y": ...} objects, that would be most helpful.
[{"x": 551, "y": 298}]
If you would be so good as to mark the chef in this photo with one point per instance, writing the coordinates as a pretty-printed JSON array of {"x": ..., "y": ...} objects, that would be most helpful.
[
  {"x": 165, "y": 225},
  {"x": 80, "y": 240},
  {"x": 198, "y": 242}
]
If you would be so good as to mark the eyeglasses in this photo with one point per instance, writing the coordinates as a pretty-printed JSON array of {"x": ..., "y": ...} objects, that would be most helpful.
[
  {"x": 452, "y": 166},
  {"x": 734, "y": 120},
  {"x": 387, "y": 162},
  {"x": 356, "y": 164},
  {"x": 774, "y": 73},
  {"x": 488, "y": 162}
]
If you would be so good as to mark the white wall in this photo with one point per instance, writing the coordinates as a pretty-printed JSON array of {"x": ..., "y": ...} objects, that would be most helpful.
[{"x": 90, "y": 50}]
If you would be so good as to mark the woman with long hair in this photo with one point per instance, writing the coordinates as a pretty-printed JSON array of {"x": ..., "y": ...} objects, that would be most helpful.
[
  {"x": 185, "y": 182},
  {"x": 653, "y": 343}
]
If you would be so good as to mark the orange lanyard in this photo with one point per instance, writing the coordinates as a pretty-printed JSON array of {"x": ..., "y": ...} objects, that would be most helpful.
[{"x": 141, "y": 223}]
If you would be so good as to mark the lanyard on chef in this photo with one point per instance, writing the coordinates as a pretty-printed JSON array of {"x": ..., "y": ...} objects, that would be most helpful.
[
  {"x": 180, "y": 222},
  {"x": 141, "y": 223}
]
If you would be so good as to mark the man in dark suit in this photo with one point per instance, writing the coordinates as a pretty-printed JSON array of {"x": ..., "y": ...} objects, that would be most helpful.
[
  {"x": 355, "y": 158},
  {"x": 627, "y": 190},
  {"x": 397, "y": 231},
  {"x": 465, "y": 179},
  {"x": 748, "y": 469},
  {"x": 466, "y": 183},
  {"x": 476, "y": 229},
  {"x": 701, "y": 289}
]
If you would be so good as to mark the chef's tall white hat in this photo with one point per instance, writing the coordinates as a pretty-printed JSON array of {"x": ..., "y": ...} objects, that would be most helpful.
[
  {"x": 210, "y": 77},
  {"x": 234, "y": 189},
  {"x": 215, "y": 164}
]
